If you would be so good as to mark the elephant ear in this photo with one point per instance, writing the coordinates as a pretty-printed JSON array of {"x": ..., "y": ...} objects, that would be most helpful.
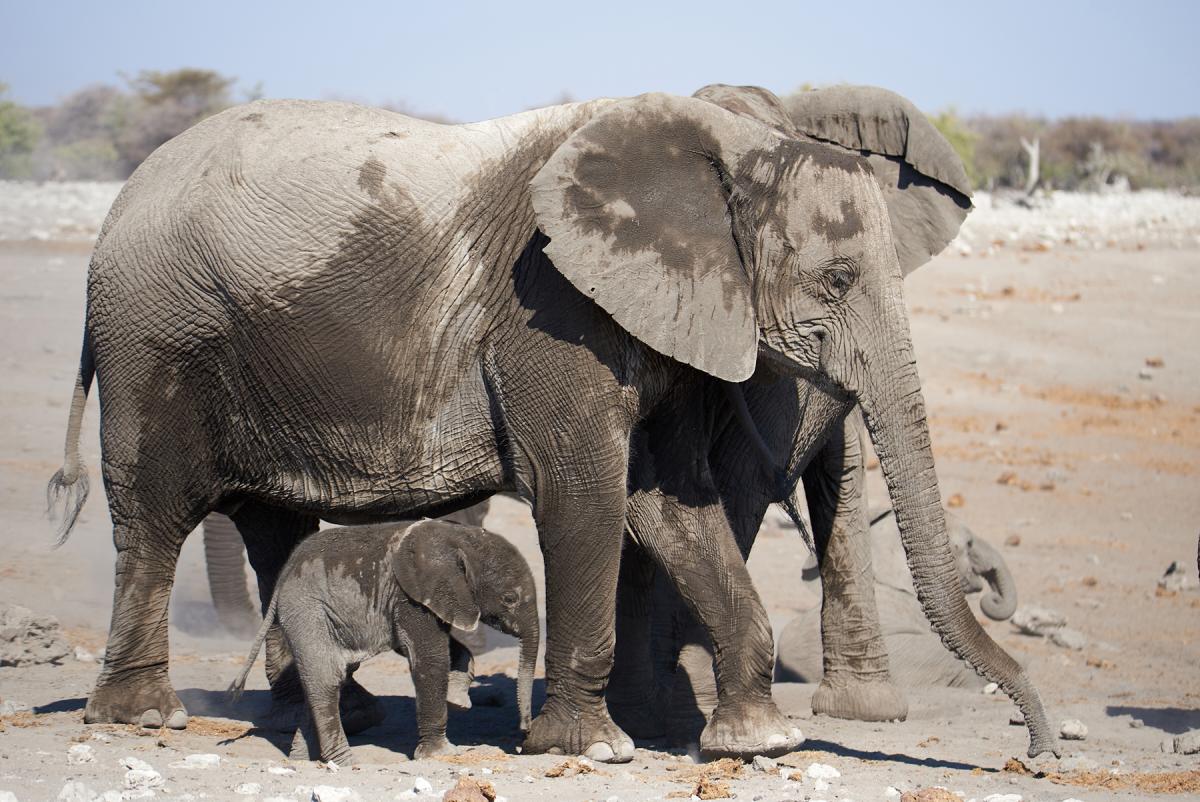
[
  {"x": 753, "y": 102},
  {"x": 432, "y": 568},
  {"x": 636, "y": 203},
  {"x": 923, "y": 180}
]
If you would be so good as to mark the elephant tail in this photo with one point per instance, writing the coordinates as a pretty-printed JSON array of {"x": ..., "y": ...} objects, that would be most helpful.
[
  {"x": 239, "y": 684},
  {"x": 68, "y": 488}
]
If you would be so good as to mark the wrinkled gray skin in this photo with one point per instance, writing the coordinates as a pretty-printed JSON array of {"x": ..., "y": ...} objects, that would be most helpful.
[
  {"x": 662, "y": 681},
  {"x": 346, "y": 595},
  {"x": 225, "y": 561},
  {"x": 916, "y": 657},
  {"x": 305, "y": 310}
]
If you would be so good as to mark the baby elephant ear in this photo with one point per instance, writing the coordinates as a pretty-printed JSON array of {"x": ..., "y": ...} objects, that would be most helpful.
[
  {"x": 433, "y": 569},
  {"x": 636, "y": 204}
]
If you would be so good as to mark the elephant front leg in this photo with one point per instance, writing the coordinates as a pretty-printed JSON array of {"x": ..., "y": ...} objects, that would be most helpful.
[
  {"x": 429, "y": 659},
  {"x": 857, "y": 681},
  {"x": 580, "y": 530},
  {"x": 462, "y": 674},
  {"x": 696, "y": 548}
]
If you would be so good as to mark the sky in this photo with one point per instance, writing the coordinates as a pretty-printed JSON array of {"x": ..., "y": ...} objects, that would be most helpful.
[{"x": 471, "y": 60}]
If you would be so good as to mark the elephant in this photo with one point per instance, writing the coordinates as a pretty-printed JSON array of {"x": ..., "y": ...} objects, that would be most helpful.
[
  {"x": 915, "y": 657},
  {"x": 663, "y": 681},
  {"x": 348, "y": 594},
  {"x": 224, "y": 561},
  {"x": 316, "y": 310}
]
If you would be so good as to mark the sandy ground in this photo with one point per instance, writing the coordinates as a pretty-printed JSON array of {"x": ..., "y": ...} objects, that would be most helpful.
[{"x": 1063, "y": 384}]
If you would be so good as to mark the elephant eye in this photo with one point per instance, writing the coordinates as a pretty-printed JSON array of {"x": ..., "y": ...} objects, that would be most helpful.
[
  {"x": 509, "y": 598},
  {"x": 840, "y": 276}
]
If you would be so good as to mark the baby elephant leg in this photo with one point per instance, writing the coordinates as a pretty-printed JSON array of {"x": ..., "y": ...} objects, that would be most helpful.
[
  {"x": 462, "y": 674},
  {"x": 429, "y": 659},
  {"x": 322, "y": 671}
]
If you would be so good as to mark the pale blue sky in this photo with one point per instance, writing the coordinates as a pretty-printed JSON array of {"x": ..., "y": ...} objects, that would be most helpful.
[{"x": 473, "y": 60}]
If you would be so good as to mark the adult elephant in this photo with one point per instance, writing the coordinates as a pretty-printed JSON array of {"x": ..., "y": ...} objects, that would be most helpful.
[
  {"x": 302, "y": 310},
  {"x": 795, "y": 427}
]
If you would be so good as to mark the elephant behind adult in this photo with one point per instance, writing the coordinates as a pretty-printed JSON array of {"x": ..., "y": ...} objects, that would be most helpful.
[
  {"x": 915, "y": 655},
  {"x": 799, "y": 428},
  {"x": 316, "y": 310}
]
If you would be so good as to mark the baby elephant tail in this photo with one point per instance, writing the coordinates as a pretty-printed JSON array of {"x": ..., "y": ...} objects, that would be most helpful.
[{"x": 239, "y": 684}]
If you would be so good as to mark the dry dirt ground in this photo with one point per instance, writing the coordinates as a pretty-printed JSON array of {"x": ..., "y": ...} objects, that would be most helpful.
[{"x": 1064, "y": 393}]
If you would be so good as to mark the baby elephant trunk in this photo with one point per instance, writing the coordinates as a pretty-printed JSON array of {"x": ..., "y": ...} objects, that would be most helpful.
[{"x": 530, "y": 636}]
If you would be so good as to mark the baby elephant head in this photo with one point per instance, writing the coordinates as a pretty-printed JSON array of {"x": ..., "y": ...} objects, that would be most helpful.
[
  {"x": 977, "y": 561},
  {"x": 465, "y": 575}
]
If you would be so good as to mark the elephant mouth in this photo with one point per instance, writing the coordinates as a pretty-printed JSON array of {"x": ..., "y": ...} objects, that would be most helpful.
[{"x": 782, "y": 366}]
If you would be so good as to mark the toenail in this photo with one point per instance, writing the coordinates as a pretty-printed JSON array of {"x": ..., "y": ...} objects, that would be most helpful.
[
  {"x": 601, "y": 752},
  {"x": 177, "y": 720},
  {"x": 151, "y": 720}
]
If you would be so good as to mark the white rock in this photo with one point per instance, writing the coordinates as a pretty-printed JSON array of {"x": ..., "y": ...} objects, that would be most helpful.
[
  {"x": 1034, "y": 620},
  {"x": 1003, "y": 798},
  {"x": 79, "y": 754},
  {"x": 527, "y": 779},
  {"x": 8, "y": 796},
  {"x": 138, "y": 793},
  {"x": 76, "y": 792},
  {"x": 248, "y": 789},
  {"x": 891, "y": 793},
  {"x": 820, "y": 785},
  {"x": 763, "y": 763},
  {"x": 102, "y": 737},
  {"x": 1073, "y": 729},
  {"x": 142, "y": 779},
  {"x": 1069, "y": 638},
  {"x": 990, "y": 688},
  {"x": 821, "y": 771},
  {"x": 486, "y": 770},
  {"x": 132, "y": 763},
  {"x": 83, "y": 655},
  {"x": 198, "y": 761},
  {"x": 330, "y": 793},
  {"x": 111, "y": 796},
  {"x": 422, "y": 786},
  {"x": 279, "y": 799},
  {"x": 281, "y": 770}
]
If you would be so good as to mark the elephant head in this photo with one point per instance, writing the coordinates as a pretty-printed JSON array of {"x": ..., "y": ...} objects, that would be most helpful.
[
  {"x": 465, "y": 575},
  {"x": 979, "y": 563},
  {"x": 730, "y": 245}
]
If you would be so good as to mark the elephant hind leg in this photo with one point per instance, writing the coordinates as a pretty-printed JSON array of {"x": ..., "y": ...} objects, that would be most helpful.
[{"x": 133, "y": 686}]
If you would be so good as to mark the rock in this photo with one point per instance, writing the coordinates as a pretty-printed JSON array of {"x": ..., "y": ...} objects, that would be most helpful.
[
  {"x": 27, "y": 639},
  {"x": 468, "y": 790},
  {"x": 200, "y": 761},
  {"x": 1017, "y": 719},
  {"x": 84, "y": 656},
  {"x": 133, "y": 763},
  {"x": 8, "y": 796},
  {"x": 1188, "y": 743},
  {"x": 891, "y": 793},
  {"x": 76, "y": 792},
  {"x": 1176, "y": 578},
  {"x": 140, "y": 776},
  {"x": 79, "y": 754},
  {"x": 281, "y": 770},
  {"x": 248, "y": 789},
  {"x": 10, "y": 706},
  {"x": 1003, "y": 798},
  {"x": 330, "y": 793},
  {"x": 1077, "y": 762},
  {"x": 990, "y": 688},
  {"x": 929, "y": 795},
  {"x": 1167, "y": 745},
  {"x": 763, "y": 763},
  {"x": 821, "y": 771},
  {"x": 1034, "y": 620},
  {"x": 1069, "y": 638},
  {"x": 1073, "y": 729},
  {"x": 422, "y": 787},
  {"x": 1145, "y": 374},
  {"x": 1136, "y": 723}
]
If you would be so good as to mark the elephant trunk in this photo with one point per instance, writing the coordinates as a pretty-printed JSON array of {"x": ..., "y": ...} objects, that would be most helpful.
[
  {"x": 894, "y": 410},
  {"x": 1001, "y": 602},
  {"x": 530, "y": 635},
  {"x": 225, "y": 562}
]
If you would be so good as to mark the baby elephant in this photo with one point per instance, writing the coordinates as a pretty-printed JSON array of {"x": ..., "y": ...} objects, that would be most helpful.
[{"x": 349, "y": 594}]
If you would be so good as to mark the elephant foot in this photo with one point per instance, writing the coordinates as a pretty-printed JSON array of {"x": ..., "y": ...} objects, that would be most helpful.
[
  {"x": 562, "y": 731},
  {"x": 747, "y": 729},
  {"x": 640, "y": 719},
  {"x": 302, "y": 749},
  {"x": 432, "y": 747},
  {"x": 860, "y": 700},
  {"x": 147, "y": 700},
  {"x": 359, "y": 708},
  {"x": 458, "y": 694}
]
